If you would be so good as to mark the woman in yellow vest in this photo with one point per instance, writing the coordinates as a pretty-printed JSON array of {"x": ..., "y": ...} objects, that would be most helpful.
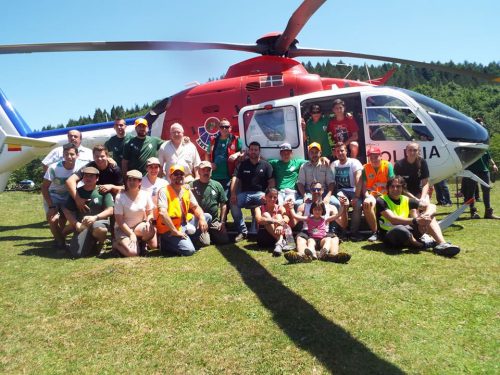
[{"x": 403, "y": 221}]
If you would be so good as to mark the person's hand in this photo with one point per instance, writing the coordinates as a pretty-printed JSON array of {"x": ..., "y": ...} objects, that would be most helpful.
[
  {"x": 495, "y": 168},
  {"x": 80, "y": 227},
  {"x": 202, "y": 225},
  {"x": 81, "y": 204},
  {"x": 89, "y": 220},
  {"x": 222, "y": 227},
  {"x": 179, "y": 233},
  {"x": 105, "y": 188},
  {"x": 366, "y": 205},
  {"x": 214, "y": 166},
  {"x": 278, "y": 230}
]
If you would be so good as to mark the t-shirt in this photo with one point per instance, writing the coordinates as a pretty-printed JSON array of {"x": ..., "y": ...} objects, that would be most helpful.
[
  {"x": 317, "y": 132},
  {"x": 185, "y": 155},
  {"x": 138, "y": 150},
  {"x": 133, "y": 211},
  {"x": 57, "y": 174},
  {"x": 480, "y": 165},
  {"x": 310, "y": 172},
  {"x": 209, "y": 196},
  {"x": 84, "y": 154},
  {"x": 344, "y": 173},
  {"x": 97, "y": 203},
  {"x": 153, "y": 189},
  {"x": 341, "y": 130},
  {"x": 286, "y": 174},
  {"x": 115, "y": 147},
  {"x": 412, "y": 174},
  {"x": 112, "y": 174},
  {"x": 221, "y": 157},
  {"x": 254, "y": 177}
]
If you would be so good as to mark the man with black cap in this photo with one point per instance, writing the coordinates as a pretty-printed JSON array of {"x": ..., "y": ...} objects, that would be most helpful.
[
  {"x": 212, "y": 199},
  {"x": 140, "y": 148},
  {"x": 90, "y": 228}
]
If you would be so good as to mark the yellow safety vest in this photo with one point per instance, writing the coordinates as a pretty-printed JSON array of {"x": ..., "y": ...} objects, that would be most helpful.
[
  {"x": 174, "y": 210},
  {"x": 402, "y": 210}
]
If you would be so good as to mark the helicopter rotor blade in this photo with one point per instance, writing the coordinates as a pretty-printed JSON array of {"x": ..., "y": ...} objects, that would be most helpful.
[
  {"x": 311, "y": 52},
  {"x": 124, "y": 46},
  {"x": 295, "y": 24}
]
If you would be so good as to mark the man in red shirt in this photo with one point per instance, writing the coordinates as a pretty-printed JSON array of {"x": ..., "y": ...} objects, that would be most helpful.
[{"x": 343, "y": 127}]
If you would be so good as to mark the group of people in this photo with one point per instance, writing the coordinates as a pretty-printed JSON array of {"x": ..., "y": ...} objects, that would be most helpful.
[{"x": 149, "y": 193}]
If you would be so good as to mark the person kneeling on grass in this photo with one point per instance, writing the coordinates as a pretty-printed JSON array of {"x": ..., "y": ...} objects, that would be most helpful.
[
  {"x": 90, "y": 228},
  {"x": 273, "y": 222},
  {"x": 315, "y": 232},
  {"x": 134, "y": 218},
  {"x": 400, "y": 226}
]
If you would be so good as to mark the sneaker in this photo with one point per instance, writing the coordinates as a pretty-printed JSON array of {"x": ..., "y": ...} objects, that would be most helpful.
[
  {"x": 322, "y": 254},
  {"x": 373, "y": 237},
  {"x": 241, "y": 237},
  {"x": 286, "y": 247},
  {"x": 427, "y": 241},
  {"x": 446, "y": 249},
  {"x": 294, "y": 257},
  {"x": 310, "y": 253},
  {"x": 339, "y": 257},
  {"x": 278, "y": 249}
]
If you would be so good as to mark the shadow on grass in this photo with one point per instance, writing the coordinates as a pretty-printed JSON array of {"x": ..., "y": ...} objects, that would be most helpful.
[
  {"x": 40, "y": 225},
  {"x": 334, "y": 347},
  {"x": 378, "y": 246},
  {"x": 45, "y": 249}
]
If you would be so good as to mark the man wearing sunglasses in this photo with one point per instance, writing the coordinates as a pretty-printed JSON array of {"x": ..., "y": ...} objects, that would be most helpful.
[
  {"x": 223, "y": 152},
  {"x": 399, "y": 228}
]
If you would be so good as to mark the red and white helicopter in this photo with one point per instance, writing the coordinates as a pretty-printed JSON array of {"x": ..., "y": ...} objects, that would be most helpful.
[{"x": 276, "y": 83}]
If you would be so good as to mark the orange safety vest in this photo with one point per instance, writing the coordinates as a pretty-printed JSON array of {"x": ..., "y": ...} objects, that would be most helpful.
[
  {"x": 377, "y": 181},
  {"x": 174, "y": 210}
]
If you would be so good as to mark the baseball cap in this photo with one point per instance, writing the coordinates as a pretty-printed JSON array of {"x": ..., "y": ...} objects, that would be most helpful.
[
  {"x": 205, "y": 164},
  {"x": 90, "y": 170},
  {"x": 314, "y": 144},
  {"x": 176, "y": 167},
  {"x": 140, "y": 121},
  {"x": 153, "y": 161},
  {"x": 285, "y": 146},
  {"x": 134, "y": 173},
  {"x": 374, "y": 150}
]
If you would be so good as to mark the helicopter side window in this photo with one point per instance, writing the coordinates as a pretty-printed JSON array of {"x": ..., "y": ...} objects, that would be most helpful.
[
  {"x": 271, "y": 127},
  {"x": 391, "y": 119}
]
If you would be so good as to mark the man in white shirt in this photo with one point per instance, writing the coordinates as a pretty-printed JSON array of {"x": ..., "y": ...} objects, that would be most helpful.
[
  {"x": 176, "y": 152},
  {"x": 75, "y": 137}
]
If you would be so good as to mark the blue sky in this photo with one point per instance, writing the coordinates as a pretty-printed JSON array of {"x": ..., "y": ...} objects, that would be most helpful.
[{"x": 52, "y": 88}]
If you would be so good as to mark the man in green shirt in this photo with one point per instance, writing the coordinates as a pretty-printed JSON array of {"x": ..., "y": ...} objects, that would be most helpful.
[
  {"x": 90, "y": 228},
  {"x": 316, "y": 130},
  {"x": 115, "y": 144},
  {"x": 212, "y": 199},
  {"x": 140, "y": 148},
  {"x": 286, "y": 173}
]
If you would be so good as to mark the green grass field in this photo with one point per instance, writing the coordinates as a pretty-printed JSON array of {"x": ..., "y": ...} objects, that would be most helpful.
[{"x": 237, "y": 310}]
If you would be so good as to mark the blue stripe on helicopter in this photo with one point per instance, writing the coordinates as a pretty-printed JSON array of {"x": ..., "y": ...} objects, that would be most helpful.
[
  {"x": 15, "y": 118},
  {"x": 82, "y": 128}
]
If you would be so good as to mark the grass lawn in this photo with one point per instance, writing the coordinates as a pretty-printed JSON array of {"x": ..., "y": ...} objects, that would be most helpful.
[{"x": 235, "y": 309}]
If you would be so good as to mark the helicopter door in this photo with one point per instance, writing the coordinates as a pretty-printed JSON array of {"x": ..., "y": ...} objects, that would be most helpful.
[
  {"x": 271, "y": 127},
  {"x": 391, "y": 123}
]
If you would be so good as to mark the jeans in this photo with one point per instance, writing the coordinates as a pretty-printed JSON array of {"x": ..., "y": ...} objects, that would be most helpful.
[
  {"x": 174, "y": 245},
  {"x": 246, "y": 199},
  {"x": 442, "y": 192}
]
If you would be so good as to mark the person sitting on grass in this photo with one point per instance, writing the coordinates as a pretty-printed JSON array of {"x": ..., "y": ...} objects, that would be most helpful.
[
  {"x": 134, "y": 217},
  {"x": 90, "y": 228},
  {"x": 273, "y": 222},
  {"x": 397, "y": 227},
  {"x": 316, "y": 236}
]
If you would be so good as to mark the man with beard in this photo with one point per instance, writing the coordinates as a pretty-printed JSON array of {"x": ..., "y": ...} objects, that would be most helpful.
[
  {"x": 140, "y": 148},
  {"x": 116, "y": 143}
]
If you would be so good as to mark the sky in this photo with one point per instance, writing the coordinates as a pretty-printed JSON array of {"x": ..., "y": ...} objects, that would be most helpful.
[{"x": 51, "y": 88}]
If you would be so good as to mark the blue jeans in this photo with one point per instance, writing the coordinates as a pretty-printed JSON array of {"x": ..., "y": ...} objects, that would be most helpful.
[
  {"x": 442, "y": 192},
  {"x": 247, "y": 199},
  {"x": 174, "y": 245}
]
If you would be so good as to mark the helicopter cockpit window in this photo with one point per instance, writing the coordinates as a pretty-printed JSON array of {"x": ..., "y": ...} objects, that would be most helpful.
[
  {"x": 390, "y": 119},
  {"x": 272, "y": 127}
]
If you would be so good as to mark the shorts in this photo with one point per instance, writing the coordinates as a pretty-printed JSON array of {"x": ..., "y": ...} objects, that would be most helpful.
[
  {"x": 84, "y": 243},
  {"x": 120, "y": 235},
  {"x": 317, "y": 241},
  {"x": 56, "y": 201},
  {"x": 265, "y": 239}
]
